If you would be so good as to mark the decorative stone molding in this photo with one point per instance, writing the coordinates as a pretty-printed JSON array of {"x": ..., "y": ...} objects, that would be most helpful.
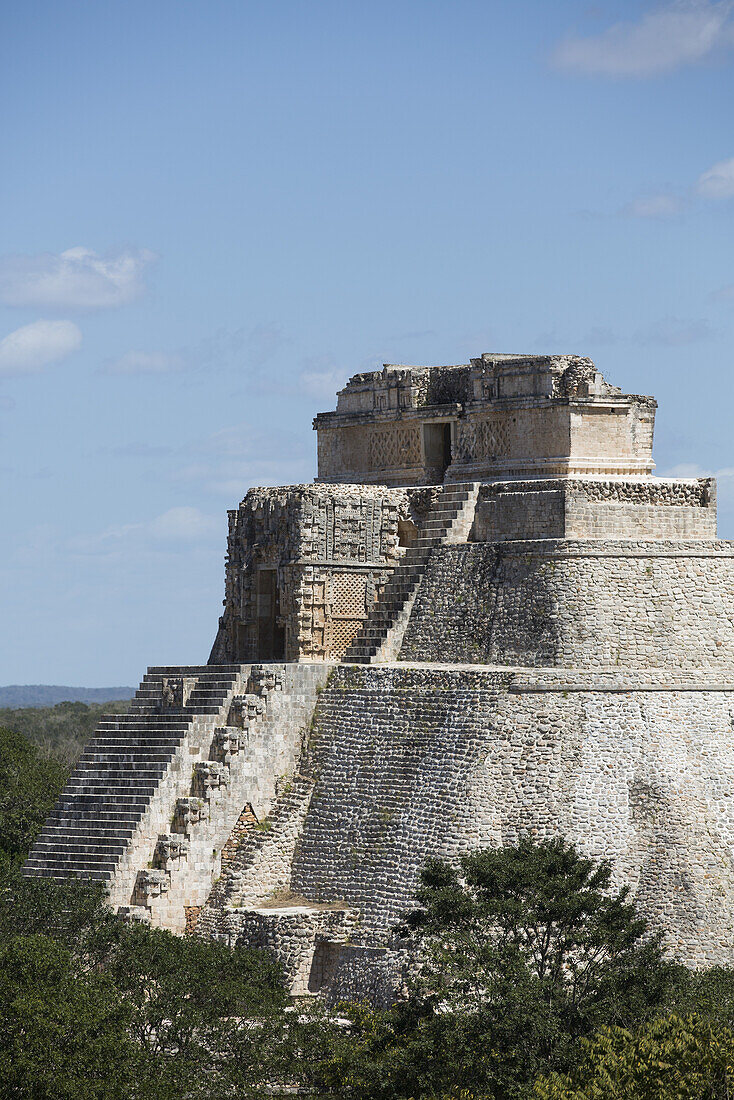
[
  {"x": 190, "y": 811},
  {"x": 210, "y": 775},
  {"x": 170, "y": 849},
  {"x": 228, "y": 741},
  {"x": 151, "y": 884}
]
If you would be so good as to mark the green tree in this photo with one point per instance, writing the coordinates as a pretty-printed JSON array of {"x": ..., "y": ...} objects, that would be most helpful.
[
  {"x": 61, "y": 1037},
  {"x": 72, "y": 913},
  {"x": 667, "y": 1058},
  {"x": 706, "y": 993},
  {"x": 523, "y": 952},
  {"x": 29, "y": 786},
  {"x": 199, "y": 1020},
  {"x": 543, "y": 915},
  {"x": 193, "y": 1002}
]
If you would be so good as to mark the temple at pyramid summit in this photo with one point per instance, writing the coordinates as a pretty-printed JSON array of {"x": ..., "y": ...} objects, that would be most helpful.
[{"x": 486, "y": 618}]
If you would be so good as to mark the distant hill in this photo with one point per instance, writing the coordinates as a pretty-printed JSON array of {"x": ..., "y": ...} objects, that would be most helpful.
[
  {"x": 62, "y": 730},
  {"x": 47, "y": 695}
]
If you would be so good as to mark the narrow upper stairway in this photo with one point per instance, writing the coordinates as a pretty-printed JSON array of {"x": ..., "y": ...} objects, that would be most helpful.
[
  {"x": 450, "y": 520},
  {"x": 89, "y": 830}
]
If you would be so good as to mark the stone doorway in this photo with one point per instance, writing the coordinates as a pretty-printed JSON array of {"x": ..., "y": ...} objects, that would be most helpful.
[
  {"x": 437, "y": 448},
  {"x": 270, "y": 632}
]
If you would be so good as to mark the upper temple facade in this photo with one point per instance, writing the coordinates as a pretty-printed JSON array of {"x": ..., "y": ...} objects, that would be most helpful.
[
  {"x": 504, "y": 449},
  {"x": 485, "y": 619},
  {"x": 501, "y": 416}
]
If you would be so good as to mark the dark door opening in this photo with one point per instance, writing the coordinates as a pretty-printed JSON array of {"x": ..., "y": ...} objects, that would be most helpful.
[
  {"x": 437, "y": 447},
  {"x": 270, "y": 634}
]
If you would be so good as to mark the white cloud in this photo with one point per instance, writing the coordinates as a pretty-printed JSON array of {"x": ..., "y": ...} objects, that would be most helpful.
[
  {"x": 322, "y": 383},
  {"x": 75, "y": 279},
  {"x": 681, "y": 33},
  {"x": 34, "y": 346},
  {"x": 674, "y": 332},
  {"x": 692, "y": 469},
  {"x": 718, "y": 181},
  {"x": 144, "y": 362},
  {"x": 654, "y": 206},
  {"x": 723, "y": 294},
  {"x": 232, "y": 459},
  {"x": 184, "y": 523},
  {"x": 181, "y": 525},
  {"x": 600, "y": 335}
]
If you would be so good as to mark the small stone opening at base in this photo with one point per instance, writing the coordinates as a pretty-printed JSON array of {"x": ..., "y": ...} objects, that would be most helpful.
[{"x": 323, "y": 968}]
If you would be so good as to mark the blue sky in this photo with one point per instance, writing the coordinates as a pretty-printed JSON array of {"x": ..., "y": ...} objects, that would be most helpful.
[{"x": 213, "y": 213}]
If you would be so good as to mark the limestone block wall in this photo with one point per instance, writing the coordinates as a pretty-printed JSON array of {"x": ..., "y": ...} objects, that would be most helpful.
[
  {"x": 413, "y": 762},
  {"x": 577, "y": 604},
  {"x": 388, "y": 452},
  {"x": 592, "y": 508},
  {"x": 302, "y": 936}
]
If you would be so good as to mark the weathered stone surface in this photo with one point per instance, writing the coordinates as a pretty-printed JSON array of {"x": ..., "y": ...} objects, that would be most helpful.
[
  {"x": 503, "y": 415},
  {"x": 576, "y": 604}
]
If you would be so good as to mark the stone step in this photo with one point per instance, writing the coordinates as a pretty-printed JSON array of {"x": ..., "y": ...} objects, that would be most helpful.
[
  {"x": 83, "y": 815},
  {"x": 193, "y": 670},
  {"x": 117, "y": 811},
  {"x": 112, "y": 848},
  {"x": 107, "y": 806},
  {"x": 91, "y": 859},
  {"x": 439, "y": 523},
  {"x": 75, "y": 865},
  {"x": 62, "y": 872},
  {"x": 93, "y": 818},
  {"x": 130, "y": 748},
  {"x": 61, "y": 834},
  {"x": 124, "y": 795},
  {"x": 194, "y": 678},
  {"x": 183, "y": 711},
  {"x": 120, "y": 771},
  {"x": 142, "y": 730},
  {"x": 101, "y": 786},
  {"x": 103, "y": 758},
  {"x": 124, "y": 783},
  {"x": 136, "y": 718},
  {"x": 145, "y": 770}
]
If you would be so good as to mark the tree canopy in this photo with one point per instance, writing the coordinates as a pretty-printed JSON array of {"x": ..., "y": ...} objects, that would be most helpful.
[
  {"x": 29, "y": 786},
  {"x": 523, "y": 951},
  {"x": 667, "y": 1058}
]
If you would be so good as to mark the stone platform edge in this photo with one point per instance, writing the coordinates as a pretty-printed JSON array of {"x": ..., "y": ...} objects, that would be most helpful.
[{"x": 408, "y": 675}]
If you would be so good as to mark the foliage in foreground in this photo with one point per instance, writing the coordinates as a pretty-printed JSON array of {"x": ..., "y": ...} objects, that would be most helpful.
[
  {"x": 668, "y": 1058},
  {"x": 29, "y": 786},
  {"x": 525, "y": 952},
  {"x": 94, "y": 1008}
]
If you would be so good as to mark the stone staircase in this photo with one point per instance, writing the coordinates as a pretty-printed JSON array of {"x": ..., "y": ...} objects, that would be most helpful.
[
  {"x": 122, "y": 769},
  {"x": 247, "y": 763},
  {"x": 449, "y": 521}
]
